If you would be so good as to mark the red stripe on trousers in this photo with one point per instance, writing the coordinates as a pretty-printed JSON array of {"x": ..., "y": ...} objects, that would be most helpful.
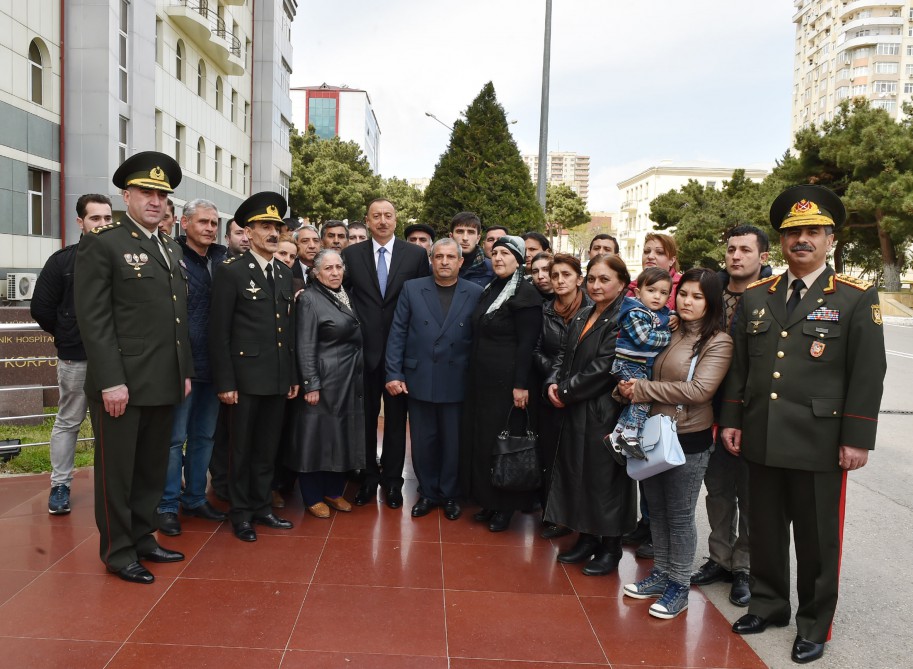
[{"x": 841, "y": 514}]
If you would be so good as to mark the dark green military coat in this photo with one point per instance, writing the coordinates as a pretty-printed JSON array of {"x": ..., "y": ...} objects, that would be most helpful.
[
  {"x": 251, "y": 330},
  {"x": 801, "y": 387},
  {"x": 132, "y": 313}
]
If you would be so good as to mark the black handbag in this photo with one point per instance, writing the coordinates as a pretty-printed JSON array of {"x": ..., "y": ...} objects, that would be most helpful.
[{"x": 515, "y": 461}]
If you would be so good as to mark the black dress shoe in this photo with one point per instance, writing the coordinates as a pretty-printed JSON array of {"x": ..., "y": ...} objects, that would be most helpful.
[
  {"x": 806, "y": 651},
  {"x": 452, "y": 509},
  {"x": 603, "y": 563},
  {"x": 645, "y": 550},
  {"x": 134, "y": 573},
  {"x": 710, "y": 572},
  {"x": 640, "y": 534},
  {"x": 583, "y": 550},
  {"x": 483, "y": 515},
  {"x": 555, "y": 531},
  {"x": 244, "y": 531},
  {"x": 206, "y": 511},
  {"x": 274, "y": 521},
  {"x": 159, "y": 554},
  {"x": 500, "y": 521},
  {"x": 365, "y": 494},
  {"x": 394, "y": 497},
  {"x": 740, "y": 594},
  {"x": 169, "y": 524},
  {"x": 422, "y": 507},
  {"x": 752, "y": 624}
]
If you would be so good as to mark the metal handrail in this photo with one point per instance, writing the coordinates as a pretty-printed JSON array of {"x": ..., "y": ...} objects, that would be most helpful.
[{"x": 217, "y": 23}]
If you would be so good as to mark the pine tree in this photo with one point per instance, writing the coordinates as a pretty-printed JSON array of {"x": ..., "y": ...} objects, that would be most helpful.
[{"x": 482, "y": 171}]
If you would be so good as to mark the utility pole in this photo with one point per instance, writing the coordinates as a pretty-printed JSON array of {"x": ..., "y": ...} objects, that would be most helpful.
[{"x": 543, "y": 113}]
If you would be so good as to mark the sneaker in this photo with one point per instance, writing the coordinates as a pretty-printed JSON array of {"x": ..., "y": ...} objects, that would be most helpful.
[
  {"x": 59, "y": 501},
  {"x": 673, "y": 601},
  {"x": 652, "y": 586}
]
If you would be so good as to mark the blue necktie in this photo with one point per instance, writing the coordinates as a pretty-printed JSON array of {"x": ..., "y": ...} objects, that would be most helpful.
[{"x": 382, "y": 270}]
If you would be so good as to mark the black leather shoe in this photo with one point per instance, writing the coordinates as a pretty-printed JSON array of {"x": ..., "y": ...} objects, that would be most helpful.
[
  {"x": 645, "y": 550},
  {"x": 274, "y": 521},
  {"x": 740, "y": 594},
  {"x": 394, "y": 497},
  {"x": 452, "y": 509},
  {"x": 806, "y": 651},
  {"x": 169, "y": 524},
  {"x": 483, "y": 515},
  {"x": 555, "y": 531},
  {"x": 583, "y": 550},
  {"x": 500, "y": 521},
  {"x": 365, "y": 494},
  {"x": 159, "y": 554},
  {"x": 422, "y": 507},
  {"x": 640, "y": 534},
  {"x": 244, "y": 531},
  {"x": 206, "y": 511},
  {"x": 603, "y": 563},
  {"x": 752, "y": 624},
  {"x": 134, "y": 573},
  {"x": 710, "y": 572}
]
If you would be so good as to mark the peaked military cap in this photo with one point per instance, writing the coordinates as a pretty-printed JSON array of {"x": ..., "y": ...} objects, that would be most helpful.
[
  {"x": 267, "y": 206},
  {"x": 807, "y": 205},
  {"x": 419, "y": 227},
  {"x": 149, "y": 169}
]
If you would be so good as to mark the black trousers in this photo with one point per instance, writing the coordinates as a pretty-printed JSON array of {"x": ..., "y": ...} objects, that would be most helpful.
[
  {"x": 254, "y": 426},
  {"x": 218, "y": 462},
  {"x": 393, "y": 455},
  {"x": 131, "y": 463},
  {"x": 813, "y": 502},
  {"x": 436, "y": 447}
]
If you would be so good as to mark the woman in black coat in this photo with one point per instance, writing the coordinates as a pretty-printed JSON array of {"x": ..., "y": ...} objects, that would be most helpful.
[
  {"x": 590, "y": 492},
  {"x": 557, "y": 313},
  {"x": 505, "y": 324},
  {"x": 329, "y": 429}
]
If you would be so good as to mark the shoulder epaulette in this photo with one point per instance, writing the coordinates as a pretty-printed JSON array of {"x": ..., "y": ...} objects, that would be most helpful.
[
  {"x": 104, "y": 228},
  {"x": 858, "y": 284},
  {"x": 764, "y": 281},
  {"x": 228, "y": 261}
]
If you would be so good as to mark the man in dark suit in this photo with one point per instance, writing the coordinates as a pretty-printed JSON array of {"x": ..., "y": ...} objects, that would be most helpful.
[
  {"x": 131, "y": 308},
  {"x": 427, "y": 360},
  {"x": 251, "y": 342},
  {"x": 800, "y": 404},
  {"x": 375, "y": 273}
]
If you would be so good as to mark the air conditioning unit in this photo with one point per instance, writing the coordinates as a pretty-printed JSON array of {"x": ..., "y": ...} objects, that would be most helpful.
[{"x": 20, "y": 286}]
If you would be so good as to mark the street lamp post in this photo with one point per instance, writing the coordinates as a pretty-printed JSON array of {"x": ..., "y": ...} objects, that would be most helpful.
[
  {"x": 543, "y": 113},
  {"x": 430, "y": 115}
]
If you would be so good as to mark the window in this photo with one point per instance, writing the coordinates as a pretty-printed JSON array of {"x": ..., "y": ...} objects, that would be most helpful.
[
  {"x": 859, "y": 89},
  {"x": 201, "y": 157},
  {"x": 179, "y": 134},
  {"x": 232, "y": 169},
  {"x": 159, "y": 40},
  {"x": 908, "y": 70},
  {"x": 887, "y": 49},
  {"x": 862, "y": 33},
  {"x": 122, "y": 49},
  {"x": 36, "y": 74},
  {"x": 246, "y": 115},
  {"x": 861, "y": 71},
  {"x": 908, "y": 88},
  {"x": 888, "y": 105},
  {"x": 910, "y": 50},
  {"x": 322, "y": 115},
  {"x": 843, "y": 73},
  {"x": 244, "y": 178},
  {"x": 219, "y": 93},
  {"x": 843, "y": 93},
  {"x": 862, "y": 52},
  {"x": 122, "y": 138},
  {"x": 38, "y": 204},
  {"x": 218, "y": 170},
  {"x": 283, "y": 185},
  {"x": 179, "y": 61},
  {"x": 284, "y": 128},
  {"x": 201, "y": 79},
  {"x": 233, "y": 110},
  {"x": 158, "y": 130},
  {"x": 884, "y": 86},
  {"x": 886, "y": 68}
]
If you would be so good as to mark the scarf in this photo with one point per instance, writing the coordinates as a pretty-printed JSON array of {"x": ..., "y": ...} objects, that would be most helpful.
[
  {"x": 567, "y": 313},
  {"x": 507, "y": 292}
]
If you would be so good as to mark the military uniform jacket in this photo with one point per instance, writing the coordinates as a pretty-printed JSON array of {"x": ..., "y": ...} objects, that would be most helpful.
[
  {"x": 252, "y": 330},
  {"x": 131, "y": 308},
  {"x": 801, "y": 387}
]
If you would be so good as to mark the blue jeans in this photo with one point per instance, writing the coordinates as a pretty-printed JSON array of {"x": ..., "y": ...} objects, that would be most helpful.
[
  {"x": 194, "y": 422},
  {"x": 636, "y": 413},
  {"x": 71, "y": 411},
  {"x": 672, "y": 497}
]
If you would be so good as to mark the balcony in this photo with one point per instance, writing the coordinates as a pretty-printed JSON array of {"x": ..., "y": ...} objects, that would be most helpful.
[
  {"x": 207, "y": 29},
  {"x": 629, "y": 205},
  {"x": 236, "y": 3},
  {"x": 852, "y": 7}
]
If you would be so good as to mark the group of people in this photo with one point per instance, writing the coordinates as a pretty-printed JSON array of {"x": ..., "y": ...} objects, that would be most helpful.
[{"x": 266, "y": 363}]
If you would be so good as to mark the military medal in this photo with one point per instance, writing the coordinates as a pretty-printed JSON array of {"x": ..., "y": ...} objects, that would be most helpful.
[
  {"x": 143, "y": 257},
  {"x": 253, "y": 289},
  {"x": 817, "y": 349}
]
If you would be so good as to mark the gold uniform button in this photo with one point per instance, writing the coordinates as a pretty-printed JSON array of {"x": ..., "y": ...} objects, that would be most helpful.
[
  {"x": 179, "y": 342},
  {"x": 177, "y": 320},
  {"x": 784, "y": 334},
  {"x": 277, "y": 315},
  {"x": 139, "y": 274},
  {"x": 174, "y": 297},
  {"x": 241, "y": 353},
  {"x": 780, "y": 354},
  {"x": 280, "y": 329},
  {"x": 773, "y": 396},
  {"x": 280, "y": 344},
  {"x": 776, "y": 375}
]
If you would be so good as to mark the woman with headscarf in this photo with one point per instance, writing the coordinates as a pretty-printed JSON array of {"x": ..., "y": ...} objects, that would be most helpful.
[{"x": 506, "y": 325}]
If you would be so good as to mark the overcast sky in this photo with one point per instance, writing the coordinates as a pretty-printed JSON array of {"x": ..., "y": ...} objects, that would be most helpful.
[{"x": 632, "y": 82}]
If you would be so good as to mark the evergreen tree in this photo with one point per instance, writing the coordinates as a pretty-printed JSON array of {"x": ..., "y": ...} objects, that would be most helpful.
[
  {"x": 407, "y": 199},
  {"x": 482, "y": 171}
]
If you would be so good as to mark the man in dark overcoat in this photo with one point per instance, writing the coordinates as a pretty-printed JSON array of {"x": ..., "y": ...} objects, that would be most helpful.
[{"x": 800, "y": 404}]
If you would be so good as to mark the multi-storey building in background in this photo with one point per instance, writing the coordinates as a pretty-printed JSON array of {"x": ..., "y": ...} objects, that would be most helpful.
[
  {"x": 639, "y": 190},
  {"x": 339, "y": 111},
  {"x": 851, "y": 49},
  {"x": 564, "y": 167},
  {"x": 205, "y": 81}
]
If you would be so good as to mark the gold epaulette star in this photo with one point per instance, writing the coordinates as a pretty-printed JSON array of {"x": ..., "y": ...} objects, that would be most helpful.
[
  {"x": 761, "y": 282},
  {"x": 104, "y": 228}
]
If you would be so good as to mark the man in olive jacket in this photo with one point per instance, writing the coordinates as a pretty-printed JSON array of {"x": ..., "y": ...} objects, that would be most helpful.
[
  {"x": 252, "y": 348},
  {"x": 131, "y": 308},
  {"x": 800, "y": 404}
]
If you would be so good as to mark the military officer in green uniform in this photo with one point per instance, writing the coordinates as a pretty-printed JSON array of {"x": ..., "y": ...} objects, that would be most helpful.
[
  {"x": 252, "y": 347},
  {"x": 800, "y": 404},
  {"x": 131, "y": 307}
]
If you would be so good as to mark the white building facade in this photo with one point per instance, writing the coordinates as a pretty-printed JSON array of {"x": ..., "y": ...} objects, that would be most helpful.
[{"x": 564, "y": 167}]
